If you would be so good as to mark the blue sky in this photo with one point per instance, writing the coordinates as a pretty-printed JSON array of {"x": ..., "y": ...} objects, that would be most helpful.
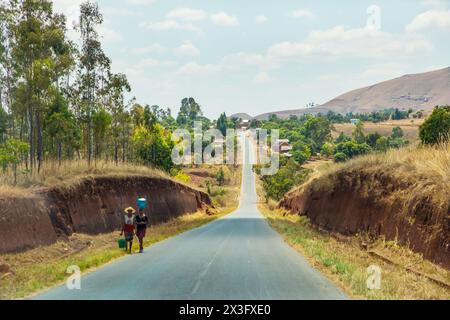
[{"x": 261, "y": 56}]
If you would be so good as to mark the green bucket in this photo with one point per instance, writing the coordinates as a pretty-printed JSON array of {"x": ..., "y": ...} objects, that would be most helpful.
[{"x": 122, "y": 243}]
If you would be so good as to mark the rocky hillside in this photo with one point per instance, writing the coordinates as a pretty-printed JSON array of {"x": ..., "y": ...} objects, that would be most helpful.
[
  {"x": 403, "y": 196},
  {"x": 421, "y": 91},
  {"x": 92, "y": 206}
]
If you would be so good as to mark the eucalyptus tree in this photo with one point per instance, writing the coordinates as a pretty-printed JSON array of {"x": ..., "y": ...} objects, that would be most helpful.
[
  {"x": 41, "y": 56},
  {"x": 121, "y": 118},
  {"x": 93, "y": 70}
]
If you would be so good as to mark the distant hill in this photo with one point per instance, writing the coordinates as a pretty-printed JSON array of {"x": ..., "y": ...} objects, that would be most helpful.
[
  {"x": 243, "y": 116},
  {"x": 415, "y": 91}
]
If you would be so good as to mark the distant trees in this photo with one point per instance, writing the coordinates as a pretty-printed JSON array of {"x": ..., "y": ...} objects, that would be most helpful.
[
  {"x": 289, "y": 175},
  {"x": 436, "y": 129},
  {"x": 59, "y": 99},
  {"x": 318, "y": 131},
  {"x": 375, "y": 116}
]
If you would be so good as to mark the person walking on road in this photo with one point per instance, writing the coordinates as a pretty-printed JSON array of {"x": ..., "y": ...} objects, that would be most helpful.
[
  {"x": 141, "y": 228},
  {"x": 129, "y": 227}
]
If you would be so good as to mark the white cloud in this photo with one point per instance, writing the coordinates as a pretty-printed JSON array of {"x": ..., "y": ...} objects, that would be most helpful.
[
  {"x": 187, "y": 14},
  {"x": 169, "y": 25},
  {"x": 187, "y": 49},
  {"x": 193, "y": 68},
  {"x": 302, "y": 14},
  {"x": 440, "y": 4},
  {"x": 340, "y": 42},
  {"x": 261, "y": 19},
  {"x": 108, "y": 34},
  {"x": 430, "y": 19},
  {"x": 152, "y": 48},
  {"x": 224, "y": 19},
  {"x": 140, "y": 2},
  {"x": 262, "y": 77}
]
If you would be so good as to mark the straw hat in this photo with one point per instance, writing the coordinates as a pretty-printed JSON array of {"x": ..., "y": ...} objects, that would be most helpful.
[{"x": 130, "y": 210}]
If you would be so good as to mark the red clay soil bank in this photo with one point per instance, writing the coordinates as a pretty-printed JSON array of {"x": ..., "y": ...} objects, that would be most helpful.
[
  {"x": 415, "y": 214},
  {"x": 93, "y": 206}
]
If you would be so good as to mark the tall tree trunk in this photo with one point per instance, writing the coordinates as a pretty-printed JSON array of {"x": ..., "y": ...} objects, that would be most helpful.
[
  {"x": 31, "y": 136},
  {"x": 40, "y": 146},
  {"x": 59, "y": 153}
]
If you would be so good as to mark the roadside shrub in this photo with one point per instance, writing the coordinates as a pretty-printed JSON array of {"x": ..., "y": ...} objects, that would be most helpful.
[
  {"x": 340, "y": 157},
  {"x": 436, "y": 129}
]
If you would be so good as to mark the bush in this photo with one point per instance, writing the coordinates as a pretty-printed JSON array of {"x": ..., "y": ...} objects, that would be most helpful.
[
  {"x": 436, "y": 129},
  {"x": 351, "y": 148},
  {"x": 340, "y": 157}
]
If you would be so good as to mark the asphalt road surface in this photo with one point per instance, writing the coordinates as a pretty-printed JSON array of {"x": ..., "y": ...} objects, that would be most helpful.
[{"x": 237, "y": 257}]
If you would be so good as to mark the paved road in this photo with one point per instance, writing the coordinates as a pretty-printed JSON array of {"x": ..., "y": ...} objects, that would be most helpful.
[{"x": 236, "y": 257}]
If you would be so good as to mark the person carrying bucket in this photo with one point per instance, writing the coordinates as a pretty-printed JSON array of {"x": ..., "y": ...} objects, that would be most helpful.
[
  {"x": 141, "y": 222},
  {"x": 129, "y": 227}
]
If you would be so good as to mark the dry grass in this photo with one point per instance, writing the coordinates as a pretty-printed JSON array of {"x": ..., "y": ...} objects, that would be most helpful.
[
  {"x": 45, "y": 267},
  {"x": 424, "y": 162},
  {"x": 68, "y": 173},
  {"x": 225, "y": 197},
  {"x": 345, "y": 262},
  {"x": 410, "y": 128}
]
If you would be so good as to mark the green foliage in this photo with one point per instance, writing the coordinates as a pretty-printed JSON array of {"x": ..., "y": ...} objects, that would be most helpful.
[
  {"x": 11, "y": 152},
  {"x": 189, "y": 112},
  {"x": 351, "y": 148},
  {"x": 436, "y": 129},
  {"x": 289, "y": 175},
  {"x": 328, "y": 149},
  {"x": 372, "y": 138},
  {"x": 220, "y": 177},
  {"x": 223, "y": 124},
  {"x": 382, "y": 144},
  {"x": 318, "y": 131},
  {"x": 301, "y": 151},
  {"x": 375, "y": 117},
  {"x": 3, "y": 123},
  {"x": 358, "y": 134},
  {"x": 340, "y": 157},
  {"x": 397, "y": 133},
  {"x": 153, "y": 146},
  {"x": 342, "y": 138}
]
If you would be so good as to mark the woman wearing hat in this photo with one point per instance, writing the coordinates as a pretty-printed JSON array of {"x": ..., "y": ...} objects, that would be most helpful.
[{"x": 128, "y": 227}]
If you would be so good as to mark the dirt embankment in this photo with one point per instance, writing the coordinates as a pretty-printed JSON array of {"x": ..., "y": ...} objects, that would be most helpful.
[
  {"x": 412, "y": 209},
  {"x": 92, "y": 206}
]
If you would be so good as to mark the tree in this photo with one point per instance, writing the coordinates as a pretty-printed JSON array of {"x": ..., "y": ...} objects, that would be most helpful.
[
  {"x": 189, "y": 112},
  {"x": 318, "y": 130},
  {"x": 101, "y": 121},
  {"x": 358, "y": 134},
  {"x": 382, "y": 144},
  {"x": 11, "y": 153},
  {"x": 301, "y": 152},
  {"x": 372, "y": 138},
  {"x": 340, "y": 157},
  {"x": 38, "y": 53},
  {"x": 351, "y": 148},
  {"x": 3, "y": 124},
  {"x": 342, "y": 138},
  {"x": 153, "y": 146},
  {"x": 328, "y": 149},
  {"x": 93, "y": 69},
  {"x": 60, "y": 127},
  {"x": 220, "y": 177},
  {"x": 436, "y": 129},
  {"x": 289, "y": 175},
  {"x": 223, "y": 124},
  {"x": 397, "y": 133}
]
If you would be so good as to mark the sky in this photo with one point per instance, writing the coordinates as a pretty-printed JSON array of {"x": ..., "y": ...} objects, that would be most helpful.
[{"x": 258, "y": 56}]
